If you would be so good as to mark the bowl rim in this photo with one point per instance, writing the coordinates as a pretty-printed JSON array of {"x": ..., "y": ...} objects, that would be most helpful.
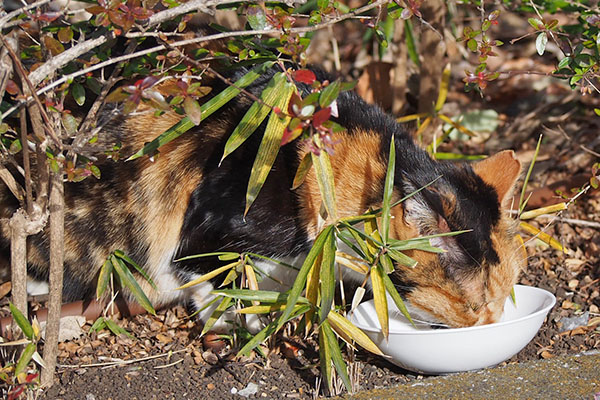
[{"x": 543, "y": 310}]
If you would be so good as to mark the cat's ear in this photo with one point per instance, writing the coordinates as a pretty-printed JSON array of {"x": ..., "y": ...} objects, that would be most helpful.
[{"x": 500, "y": 171}]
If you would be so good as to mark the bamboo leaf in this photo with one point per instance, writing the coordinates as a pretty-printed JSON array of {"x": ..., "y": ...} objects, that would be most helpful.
[
  {"x": 327, "y": 275},
  {"x": 457, "y": 126},
  {"x": 391, "y": 289},
  {"x": 410, "y": 42},
  {"x": 98, "y": 325},
  {"x": 219, "y": 253},
  {"x": 255, "y": 115},
  {"x": 336, "y": 355},
  {"x": 543, "y": 210},
  {"x": 353, "y": 263},
  {"x": 21, "y": 321},
  {"x": 388, "y": 191},
  {"x": 209, "y": 275},
  {"x": 269, "y": 330},
  {"x": 380, "y": 299},
  {"x": 324, "y": 174},
  {"x": 206, "y": 110},
  {"x": 412, "y": 117},
  {"x": 402, "y": 258},
  {"x": 116, "y": 329},
  {"x": 129, "y": 281},
  {"x": 264, "y": 296},
  {"x": 543, "y": 236},
  {"x": 386, "y": 263},
  {"x": 337, "y": 320},
  {"x": 251, "y": 279},
  {"x": 302, "y": 171},
  {"x": 522, "y": 197},
  {"x": 103, "y": 278},
  {"x": 443, "y": 88},
  {"x": 214, "y": 317},
  {"x": 21, "y": 366},
  {"x": 325, "y": 359},
  {"x": 269, "y": 146},
  {"x": 128, "y": 260},
  {"x": 312, "y": 290},
  {"x": 300, "y": 281},
  {"x": 261, "y": 309}
]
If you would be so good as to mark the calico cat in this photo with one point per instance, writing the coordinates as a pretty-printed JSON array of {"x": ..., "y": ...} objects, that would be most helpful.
[{"x": 185, "y": 202}]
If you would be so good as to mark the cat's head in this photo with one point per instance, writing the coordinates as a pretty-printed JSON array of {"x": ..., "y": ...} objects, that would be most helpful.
[{"x": 468, "y": 283}]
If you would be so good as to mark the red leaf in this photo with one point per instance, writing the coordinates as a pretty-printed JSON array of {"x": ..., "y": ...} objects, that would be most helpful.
[
  {"x": 321, "y": 116},
  {"x": 305, "y": 76},
  {"x": 12, "y": 88}
]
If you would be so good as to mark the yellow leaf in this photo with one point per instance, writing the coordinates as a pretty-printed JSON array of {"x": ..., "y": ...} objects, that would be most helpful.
[
  {"x": 543, "y": 210},
  {"x": 544, "y": 237},
  {"x": 251, "y": 279},
  {"x": 458, "y": 126},
  {"x": 338, "y": 321},
  {"x": 443, "y": 88},
  {"x": 380, "y": 300},
  {"x": 412, "y": 117},
  {"x": 353, "y": 263},
  {"x": 208, "y": 276}
]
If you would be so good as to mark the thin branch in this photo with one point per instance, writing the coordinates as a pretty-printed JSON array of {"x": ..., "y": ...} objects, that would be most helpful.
[
  {"x": 19, "y": 11},
  {"x": 121, "y": 362},
  {"x": 11, "y": 183},
  {"x": 23, "y": 75},
  {"x": 202, "y": 39},
  {"x": 56, "y": 62}
]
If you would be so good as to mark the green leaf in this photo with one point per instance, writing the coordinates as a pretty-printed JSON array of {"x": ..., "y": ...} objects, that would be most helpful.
[
  {"x": 386, "y": 263},
  {"x": 388, "y": 192},
  {"x": 264, "y": 296},
  {"x": 103, "y": 278},
  {"x": 324, "y": 174},
  {"x": 270, "y": 329},
  {"x": 327, "y": 275},
  {"x": 269, "y": 146},
  {"x": 523, "y": 203},
  {"x": 402, "y": 258},
  {"x": 540, "y": 43},
  {"x": 329, "y": 94},
  {"x": 21, "y": 321},
  {"x": 325, "y": 358},
  {"x": 193, "y": 110},
  {"x": 300, "y": 281},
  {"x": 255, "y": 114},
  {"x": 98, "y": 325},
  {"x": 116, "y": 329},
  {"x": 256, "y": 18},
  {"x": 217, "y": 253},
  {"x": 472, "y": 45},
  {"x": 302, "y": 171},
  {"x": 564, "y": 62},
  {"x": 214, "y": 317},
  {"x": 535, "y": 23},
  {"x": 128, "y": 260},
  {"x": 207, "y": 109},
  {"x": 24, "y": 360},
  {"x": 78, "y": 93},
  {"x": 336, "y": 354},
  {"x": 411, "y": 45},
  {"x": 393, "y": 292},
  {"x": 129, "y": 281}
]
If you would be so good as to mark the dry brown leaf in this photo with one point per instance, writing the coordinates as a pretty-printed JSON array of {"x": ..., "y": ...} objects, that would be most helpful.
[{"x": 5, "y": 289}]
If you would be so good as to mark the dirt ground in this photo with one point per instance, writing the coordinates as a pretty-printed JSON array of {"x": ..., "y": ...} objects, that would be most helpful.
[{"x": 166, "y": 359}]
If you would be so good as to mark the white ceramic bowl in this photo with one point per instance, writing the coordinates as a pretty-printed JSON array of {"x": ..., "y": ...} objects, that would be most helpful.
[{"x": 440, "y": 351}]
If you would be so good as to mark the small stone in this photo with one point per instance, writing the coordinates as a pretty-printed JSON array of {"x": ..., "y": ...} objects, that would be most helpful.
[
  {"x": 594, "y": 309},
  {"x": 573, "y": 283},
  {"x": 210, "y": 386},
  {"x": 234, "y": 390},
  {"x": 249, "y": 390},
  {"x": 210, "y": 357},
  {"x": 568, "y": 324}
]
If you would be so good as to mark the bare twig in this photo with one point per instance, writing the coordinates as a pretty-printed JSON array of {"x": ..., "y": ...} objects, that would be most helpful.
[
  {"x": 16, "y": 13},
  {"x": 121, "y": 362},
  {"x": 12, "y": 184},
  {"x": 207, "y": 38},
  {"x": 6, "y": 68},
  {"x": 23, "y": 75},
  {"x": 56, "y": 62}
]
